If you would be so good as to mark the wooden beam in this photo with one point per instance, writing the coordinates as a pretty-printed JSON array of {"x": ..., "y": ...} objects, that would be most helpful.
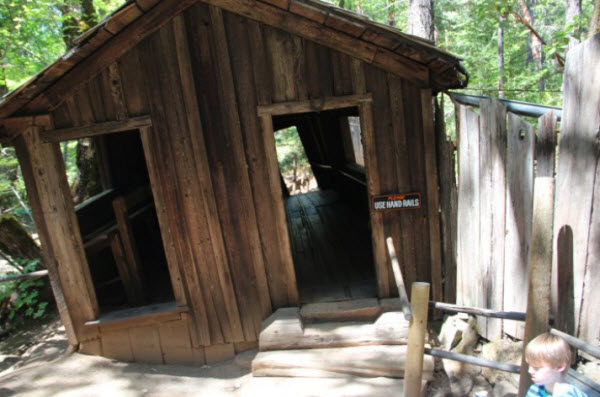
[
  {"x": 106, "y": 54},
  {"x": 314, "y": 105},
  {"x": 64, "y": 255},
  {"x": 432, "y": 180},
  {"x": 65, "y": 134},
  {"x": 365, "y": 111},
  {"x": 329, "y": 37},
  {"x": 13, "y": 126}
]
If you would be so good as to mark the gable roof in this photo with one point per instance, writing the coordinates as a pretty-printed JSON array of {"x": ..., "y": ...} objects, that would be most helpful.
[{"x": 385, "y": 47}]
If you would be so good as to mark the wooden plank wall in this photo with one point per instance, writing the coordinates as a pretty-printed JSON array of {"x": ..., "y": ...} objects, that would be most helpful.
[
  {"x": 200, "y": 78},
  {"x": 578, "y": 195},
  {"x": 162, "y": 339},
  {"x": 495, "y": 201}
]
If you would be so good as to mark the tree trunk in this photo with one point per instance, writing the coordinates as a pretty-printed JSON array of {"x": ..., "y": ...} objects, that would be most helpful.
[
  {"x": 501, "y": 56},
  {"x": 573, "y": 10},
  {"x": 88, "y": 176},
  {"x": 15, "y": 242},
  {"x": 534, "y": 40},
  {"x": 595, "y": 24},
  {"x": 420, "y": 18}
]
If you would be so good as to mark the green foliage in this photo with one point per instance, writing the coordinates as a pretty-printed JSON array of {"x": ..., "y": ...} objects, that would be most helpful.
[
  {"x": 23, "y": 296},
  {"x": 31, "y": 35},
  {"x": 290, "y": 150}
]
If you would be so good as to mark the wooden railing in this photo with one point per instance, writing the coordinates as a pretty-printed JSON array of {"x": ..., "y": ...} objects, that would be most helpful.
[{"x": 417, "y": 311}]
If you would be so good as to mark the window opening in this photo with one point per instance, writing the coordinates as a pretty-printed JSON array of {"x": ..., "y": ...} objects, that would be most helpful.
[{"x": 115, "y": 210}]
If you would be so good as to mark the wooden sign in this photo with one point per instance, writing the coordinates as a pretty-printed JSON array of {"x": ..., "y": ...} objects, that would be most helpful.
[{"x": 394, "y": 202}]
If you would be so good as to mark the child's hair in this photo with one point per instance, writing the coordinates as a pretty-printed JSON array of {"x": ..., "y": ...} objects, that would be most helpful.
[{"x": 548, "y": 349}]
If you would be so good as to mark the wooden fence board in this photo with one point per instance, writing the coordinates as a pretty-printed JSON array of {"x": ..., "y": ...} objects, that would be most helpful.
[
  {"x": 492, "y": 196},
  {"x": 576, "y": 172},
  {"x": 519, "y": 207},
  {"x": 585, "y": 85},
  {"x": 468, "y": 207}
]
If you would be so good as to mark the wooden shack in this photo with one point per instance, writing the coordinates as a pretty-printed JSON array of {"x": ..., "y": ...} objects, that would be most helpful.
[{"x": 193, "y": 240}]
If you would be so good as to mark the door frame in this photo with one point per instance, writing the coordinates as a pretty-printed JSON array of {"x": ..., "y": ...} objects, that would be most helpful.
[{"x": 364, "y": 104}]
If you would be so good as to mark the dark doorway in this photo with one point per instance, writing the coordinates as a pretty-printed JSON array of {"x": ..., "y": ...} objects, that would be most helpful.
[{"x": 329, "y": 226}]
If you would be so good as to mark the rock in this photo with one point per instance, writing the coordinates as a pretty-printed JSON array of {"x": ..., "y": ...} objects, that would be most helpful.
[
  {"x": 466, "y": 345},
  {"x": 590, "y": 369},
  {"x": 461, "y": 385},
  {"x": 503, "y": 351},
  {"x": 451, "y": 331},
  {"x": 504, "y": 389}
]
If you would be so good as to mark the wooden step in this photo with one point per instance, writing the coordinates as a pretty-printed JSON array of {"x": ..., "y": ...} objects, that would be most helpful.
[
  {"x": 352, "y": 310},
  {"x": 284, "y": 329},
  {"x": 365, "y": 361}
]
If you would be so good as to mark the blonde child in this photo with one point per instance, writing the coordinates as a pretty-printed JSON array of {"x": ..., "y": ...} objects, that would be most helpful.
[{"x": 549, "y": 357}]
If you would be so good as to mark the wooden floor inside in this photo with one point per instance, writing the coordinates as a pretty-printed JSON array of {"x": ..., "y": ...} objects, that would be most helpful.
[{"x": 331, "y": 246}]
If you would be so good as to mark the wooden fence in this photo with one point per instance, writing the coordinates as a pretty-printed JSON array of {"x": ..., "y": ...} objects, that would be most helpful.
[{"x": 499, "y": 155}]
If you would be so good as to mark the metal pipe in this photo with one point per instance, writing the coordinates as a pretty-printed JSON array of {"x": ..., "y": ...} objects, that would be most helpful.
[
  {"x": 517, "y": 107},
  {"x": 515, "y": 369},
  {"x": 577, "y": 343}
]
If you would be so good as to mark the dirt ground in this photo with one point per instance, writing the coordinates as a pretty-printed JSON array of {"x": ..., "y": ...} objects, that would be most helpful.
[{"x": 35, "y": 362}]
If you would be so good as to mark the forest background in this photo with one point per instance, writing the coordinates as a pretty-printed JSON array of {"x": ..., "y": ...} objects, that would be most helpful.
[{"x": 511, "y": 49}]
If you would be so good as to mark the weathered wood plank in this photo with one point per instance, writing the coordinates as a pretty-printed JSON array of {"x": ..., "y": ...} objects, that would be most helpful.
[
  {"x": 33, "y": 193},
  {"x": 579, "y": 154},
  {"x": 370, "y": 361},
  {"x": 448, "y": 203},
  {"x": 519, "y": 207},
  {"x": 545, "y": 145},
  {"x": 56, "y": 205},
  {"x": 116, "y": 345},
  {"x": 89, "y": 130},
  {"x": 416, "y": 164},
  {"x": 135, "y": 282},
  {"x": 433, "y": 205},
  {"x": 403, "y": 236},
  {"x": 131, "y": 283},
  {"x": 284, "y": 52},
  {"x": 492, "y": 210},
  {"x": 537, "y": 320},
  {"x": 468, "y": 206},
  {"x": 314, "y": 105},
  {"x": 157, "y": 147},
  {"x": 217, "y": 269},
  {"x": 365, "y": 111},
  {"x": 202, "y": 272},
  {"x": 251, "y": 281},
  {"x": 145, "y": 345},
  {"x": 264, "y": 177},
  {"x": 175, "y": 343}
]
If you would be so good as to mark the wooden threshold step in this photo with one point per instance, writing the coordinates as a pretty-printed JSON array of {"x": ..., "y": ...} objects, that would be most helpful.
[
  {"x": 364, "y": 361},
  {"x": 352, "y": 310},
  {"x": 284, "y": 329}
]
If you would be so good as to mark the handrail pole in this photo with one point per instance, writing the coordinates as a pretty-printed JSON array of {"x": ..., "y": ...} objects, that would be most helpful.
[
  {"x": 417, "y": 332},
  {"x": 405, "y": 304}
]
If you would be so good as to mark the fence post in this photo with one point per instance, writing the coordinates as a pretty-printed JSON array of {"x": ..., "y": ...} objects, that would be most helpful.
[
  {"x": 537, "y": 317},
  {"x": 416, "y": 339}
]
